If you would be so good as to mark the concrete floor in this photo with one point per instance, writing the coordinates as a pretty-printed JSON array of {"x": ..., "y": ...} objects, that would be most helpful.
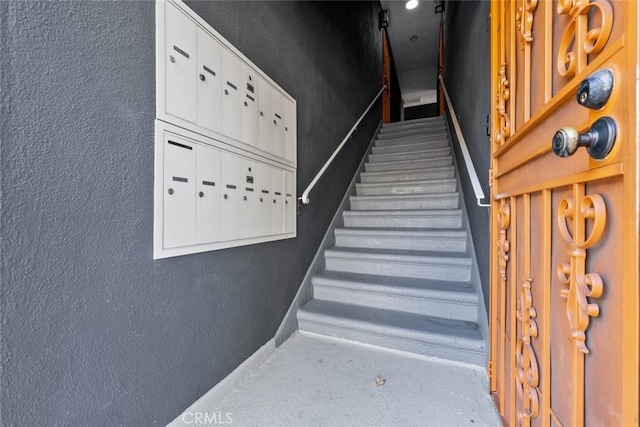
[{"x": 315, "y": 381}]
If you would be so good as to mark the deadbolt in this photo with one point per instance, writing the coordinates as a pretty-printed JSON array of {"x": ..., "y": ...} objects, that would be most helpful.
[
  {"x": 595, "y": 90},
  {"x": 598, "y": 140}
]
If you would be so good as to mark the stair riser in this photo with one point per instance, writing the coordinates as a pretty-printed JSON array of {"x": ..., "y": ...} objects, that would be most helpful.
[
  {"x": 432, "y": 138},
  {"x": 428, "y": 154},
  {"x": 412, "y": 123},
  {"x": 400, "y": 203},
  {"x": 397, "y": 189},
  {"x": 409, "y": 164},
  {"x": 411, "y": 126},
  {"x": 432, "y": 349},
  {"x": 402, "y": 133},
  {"x": 430, "y": 307},
  {"x": 410, "y": 147},
  {"x": 408, "y": 243},
  {"x": 427, "y": 270},
  {"x": 423, "y": 175},
  {"x": 437, "y": 222}
]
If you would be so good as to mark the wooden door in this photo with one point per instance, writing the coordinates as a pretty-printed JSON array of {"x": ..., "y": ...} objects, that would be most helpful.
[
  {"x": 386, "y": 78},
  {"x": 564, "y": 277}
]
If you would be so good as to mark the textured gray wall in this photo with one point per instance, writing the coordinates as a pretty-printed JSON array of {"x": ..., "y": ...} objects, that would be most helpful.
[
  {"x": 467, "y": 55},
  {"x": 94, "y": 332}
]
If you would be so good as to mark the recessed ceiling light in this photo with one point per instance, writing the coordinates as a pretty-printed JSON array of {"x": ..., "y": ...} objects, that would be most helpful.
[
  {"x": 411, "y": 4},
  {"x": 413, "y": 38}
]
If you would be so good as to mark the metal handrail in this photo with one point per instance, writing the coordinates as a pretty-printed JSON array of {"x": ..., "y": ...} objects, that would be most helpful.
[
  {"x": 305, "y": 194},
  {"x": 471, "y": 170}
]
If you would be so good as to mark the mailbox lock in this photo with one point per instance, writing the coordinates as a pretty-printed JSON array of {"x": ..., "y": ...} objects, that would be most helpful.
[
  {"x": 226, "y": 197},
  {"x": 286, "y": 129},
  {"x": 202, "y": 77},
  {"x": 286, "y": 202},
  {"x": 170, "y": 191},
  {"x": 274, "y": 200},
  {"x": 245, "y": 104},
  {"x": 172, "y": 58},
  {"x": 260, "y": 199},
  {"x": 201, "y": 194},
  {"x": 244, "y": 197},
  {"x": 261, "y": 114},
  {"x": 274, "y": 122},
  {"x": 249, "y": 169},
  {"x": 226, "y": 92}
]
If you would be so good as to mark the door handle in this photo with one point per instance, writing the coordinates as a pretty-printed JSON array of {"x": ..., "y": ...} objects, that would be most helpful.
[{"x": 598, "y": 140}]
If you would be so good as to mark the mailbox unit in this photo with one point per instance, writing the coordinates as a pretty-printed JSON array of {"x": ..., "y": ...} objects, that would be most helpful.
[{"x": 225, "y": 145}]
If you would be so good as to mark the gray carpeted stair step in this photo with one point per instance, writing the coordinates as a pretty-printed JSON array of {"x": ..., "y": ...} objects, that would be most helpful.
[
  {"x": 414, "y": 128},
  {"x": 405, "y": 239},
  {"x": 405, "y": 201},
  {"x": 386, "y": 262},
  {"x": 409, "y": 164},
  {"x": 421, "y": 154},
  {"x": 418, "y": 174},
  {"x": 430, "y": 336},
  {"x": 413, "y": 123},
  {"x": 448, "y": 300},
  {"x": 410, "y": 146},
  {"x": 412, "y": 133},
  {"x": 407, "y": 187},
  {"x": 436, "y": 218},
  {"x": 400, "y": 140}
]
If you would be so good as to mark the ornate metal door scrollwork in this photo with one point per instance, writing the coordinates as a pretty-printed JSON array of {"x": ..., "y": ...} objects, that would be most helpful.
[
  {"x": 580, "y": 285},
  {"x": 525, "y": 20},
  {"x": 578, "y": 40},
  {"x": 504, "y": 219},
  {"x": 528, "y": 376},
  {"x": 501, "y": 106}
]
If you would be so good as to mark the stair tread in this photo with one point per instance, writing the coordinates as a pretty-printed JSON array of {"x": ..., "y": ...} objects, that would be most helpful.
[
  {"x": 397, "y": 138},
  {"x": 408, "y": 171},
  {"x": 406, "y": 212},
  {"x": 389, "y": 127},
  {"x": 411, "y": 160},
  {"x": 408, "y": 183},
  {"x": 409, "y": 232},
  {"x": 405, "y": 148},
  {"x": 414, "y": 121},
  {"x": 451, "y": 257},
  {"x": 405, "y": 196},
  {"x": 418, "y": 327},
  {"x": 397, "y": 285}
]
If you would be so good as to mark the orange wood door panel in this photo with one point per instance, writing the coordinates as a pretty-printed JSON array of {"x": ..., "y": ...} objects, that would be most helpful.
[{"x": 565, "y": 293}]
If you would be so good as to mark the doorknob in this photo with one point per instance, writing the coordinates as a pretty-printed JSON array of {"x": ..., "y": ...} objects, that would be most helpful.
[
  {"x": 598, "y": 140},
  {"x": 595, "y": 90}
]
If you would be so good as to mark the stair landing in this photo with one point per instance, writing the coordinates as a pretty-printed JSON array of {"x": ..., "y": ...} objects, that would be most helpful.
[{"x": 315, "y": 381}]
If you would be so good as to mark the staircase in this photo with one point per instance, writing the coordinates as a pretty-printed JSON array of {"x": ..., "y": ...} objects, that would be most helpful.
[{"x": 400, "y": 273}]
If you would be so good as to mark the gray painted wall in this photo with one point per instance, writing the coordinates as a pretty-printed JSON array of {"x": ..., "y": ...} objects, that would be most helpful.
[
  {"x": 94, "y": 332},
  {"x": 467, "y": 60}
]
